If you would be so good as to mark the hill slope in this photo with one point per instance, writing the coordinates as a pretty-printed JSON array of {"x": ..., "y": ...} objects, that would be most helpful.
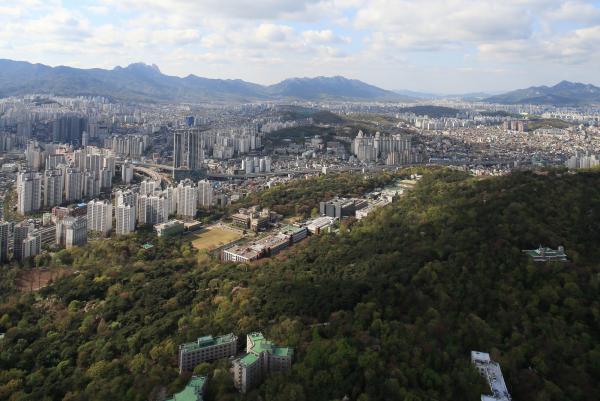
[
  {"x": 564, "y": 93},
  {"x": 146, "y": 83},
  {"x": 402, "y": 297}
]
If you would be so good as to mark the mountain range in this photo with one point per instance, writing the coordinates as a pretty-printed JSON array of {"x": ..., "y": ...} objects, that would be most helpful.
[
  {"x": 564, "y": 93},
  {"x": 142, "y": 82},
  {"x": 146, "y": 83}
]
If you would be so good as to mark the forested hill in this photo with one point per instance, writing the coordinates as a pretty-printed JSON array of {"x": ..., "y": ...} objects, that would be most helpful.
[{"x": 388, "y": 309}]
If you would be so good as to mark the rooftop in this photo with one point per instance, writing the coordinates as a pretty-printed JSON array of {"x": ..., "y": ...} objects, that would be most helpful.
[
  {"x": 545, "y": 253},
  {"x": 245, "y": 251},
  {"x": 248, "y": 359},
  {"x": 321, "y": 221},
  {"x": 283, "y": 351},
  {"x": 260, "y": 345},
  {"x": 207, "y": 341},
  {"x": 272, "y": 241},
  {"x": 291, "y": 230},
  {"x": 492, "y": 373},
  {"x": 170, "y": 223},
  {"x": 192, "y": 391}
]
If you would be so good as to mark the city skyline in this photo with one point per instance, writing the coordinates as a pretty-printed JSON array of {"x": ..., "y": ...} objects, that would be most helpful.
[{"x": 431, "y": 46}]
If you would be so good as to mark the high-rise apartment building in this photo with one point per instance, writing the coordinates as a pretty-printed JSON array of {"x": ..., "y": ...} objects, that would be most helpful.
[
  {"x": 73, "y": 184},
  {"x": 29, "y": 192},
  {"x": 127, "y": 173},
  {"x": 131, "y": 146},
  {"x": 125, "y": 218},
  {"x": 99, "y": 216},
  {"x": 105, "y": 179},
  {"x": 91, "y": 184},
  {"x": 205, "y": 193},
  {"x": 20, "y": 233},
  {"x": 52, "y": 188},
  {"x": 71, "y": 231},
  {"x": 188, "y": 149},
  {"x": 170, "y": 194},
  {"x": 69, "y": 129},
  {"x": 369, "y": 148},
  {"x": 34, "y": 155},
  {"x": 152, "y": 209},
  {"x": 31, "y": 245},
  {"x": 4, "y": 234},
  {"x": 147, "y": 187},
  {"x": 187, "y": 199},
  {"x": 125, "y": 198},
  {"x": 53, "y": 161}
]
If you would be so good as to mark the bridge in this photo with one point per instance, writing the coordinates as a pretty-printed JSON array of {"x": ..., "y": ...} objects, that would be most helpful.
[
  {"x": 150, "y": 171},
  {"x": 154, "y": 172}
]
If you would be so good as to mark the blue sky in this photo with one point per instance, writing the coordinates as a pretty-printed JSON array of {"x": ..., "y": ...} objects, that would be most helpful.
[{"x": 442, "y": 46}]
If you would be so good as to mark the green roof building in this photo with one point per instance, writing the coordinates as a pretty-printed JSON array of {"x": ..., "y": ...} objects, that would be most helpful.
[
  {"x": 262, "y": 358},
  {"x": 544, "y": 254},
  {"x": 193, "y": 391},
  {"x": 295, "y": 233},
  {"x": 204, "y": 349}
]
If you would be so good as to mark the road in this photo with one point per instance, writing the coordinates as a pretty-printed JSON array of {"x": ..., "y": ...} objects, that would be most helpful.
[
  {"x": 151, "y": 170},
  {"x": 154, "y": 171}
]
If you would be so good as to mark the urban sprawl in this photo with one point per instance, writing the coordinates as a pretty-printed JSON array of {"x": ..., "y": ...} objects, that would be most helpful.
[{"x": 79, "y": 169}]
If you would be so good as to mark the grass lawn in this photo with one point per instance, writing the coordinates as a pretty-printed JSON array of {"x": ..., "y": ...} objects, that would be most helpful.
[{"x": 213, "y": 238}]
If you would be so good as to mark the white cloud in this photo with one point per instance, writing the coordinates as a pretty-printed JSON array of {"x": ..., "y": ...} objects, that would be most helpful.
[
  {"x": 584, "y": 12},
  {"x": 577, "y": 47},
  {"x": 266, "y": 40},
  {"x": 326, "y": 36},
  {"x": 430, "y": 24},
  {"x": 243, "y": 9}
]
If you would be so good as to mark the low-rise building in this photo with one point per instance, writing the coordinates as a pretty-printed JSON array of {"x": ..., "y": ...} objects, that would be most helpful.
[
  {"x": 241, "y": 254},
  {"x": 262, "y": 358},
  {"x": 364, "y": 212},
  {"x": 320, "y": 225},
  {"x": 241, "y": 220},
  {"x": 273, "y": 244},
  {"x": 253, "y": 218},
  {"x": 191, "y": 226},
  {"x": 170, "y": 228},
  {"x": 207, "y": 348},
  {"x": 296, "y": 234},
  {"x": 193, "y": 391},
  {"x": 544, "y": 254},
  {"x": 490, "y": 370},
  {"x": 259, "y": 222},
  {"x": 267, "y": 246}
]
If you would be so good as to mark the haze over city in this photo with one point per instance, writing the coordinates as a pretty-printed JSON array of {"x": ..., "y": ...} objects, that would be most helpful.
[{"x": 432, "y": 46}]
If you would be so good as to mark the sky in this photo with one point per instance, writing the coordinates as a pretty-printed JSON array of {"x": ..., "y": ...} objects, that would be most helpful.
[{"x": 437, "y": 46}]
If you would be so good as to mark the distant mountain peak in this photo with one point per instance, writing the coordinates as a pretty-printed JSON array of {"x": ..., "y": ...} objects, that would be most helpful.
[
  {"x": 144, "y": 82},
  {"x": 564, "y": 93},
  {"x": 322, "y": 87},
  {"x": 140, "y": 66},
  {"x": 568, "y": 84}
]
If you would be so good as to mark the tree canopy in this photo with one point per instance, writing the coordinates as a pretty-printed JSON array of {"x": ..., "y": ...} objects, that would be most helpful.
[{"x": 388, "y": 309}]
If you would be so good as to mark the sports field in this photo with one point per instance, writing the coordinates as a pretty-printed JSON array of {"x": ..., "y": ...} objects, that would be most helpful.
[{"x": 213, "y": 238}]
